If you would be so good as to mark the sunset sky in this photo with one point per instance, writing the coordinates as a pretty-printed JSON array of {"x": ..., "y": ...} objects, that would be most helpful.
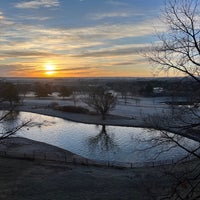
[{"x": 77, "y": 38}]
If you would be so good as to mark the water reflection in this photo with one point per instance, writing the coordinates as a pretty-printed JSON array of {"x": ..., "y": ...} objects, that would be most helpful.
[
  {"x": 102, "y": 140},
  {"x": 113, "y": 143},
  {"x": 40, "y": 124}
]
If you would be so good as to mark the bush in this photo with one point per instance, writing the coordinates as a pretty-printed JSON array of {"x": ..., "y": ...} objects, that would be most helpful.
[
  {"x": 53, "y": 105},
  {"x": 73, "y": 109}
]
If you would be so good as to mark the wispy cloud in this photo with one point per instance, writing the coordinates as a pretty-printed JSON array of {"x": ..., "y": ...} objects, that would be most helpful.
[
  {"x": 25, "y": 54},
  {"x": 83, "y": 41},
  {"x": 1, "y": 15},
  {"x": 119, "y": 51},
  {"x": 37, "y": 18},
  {"x": 69, "y": 69},
  {"x": 4, "y": 21},
  {"x": 89, "y": 38},
  {"x": 15, "y": 69},
  {"x": 117, "y": 3},
  {"x": 100, "y": 16},
  {"x": 38, "y": 4},
  {"x": 75, "y": 50}
]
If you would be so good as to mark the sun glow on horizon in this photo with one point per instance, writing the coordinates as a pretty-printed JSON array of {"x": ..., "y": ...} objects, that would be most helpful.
[{"x": 50, "y": 69}]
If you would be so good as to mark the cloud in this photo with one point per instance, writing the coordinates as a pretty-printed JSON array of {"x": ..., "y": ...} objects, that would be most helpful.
[
  {"x": 76, "y": 44},
  {"x": 117, "y": 31},
  {"x": 39, "y": 18},
  {"x": 121, "y": 63},
  {"x": 1, "y": 15},
  {"x": 100, "y": 16},
  {"x": 108, "y": 53},
  {"x": 25, "y": 54},
  {"x": 89, "y": 50},
  {"x": 68, "y": 69},
  {"x": 38, "y": 4},
  {"x": 4, "y": 21},
  {"x": 31, "y": 39},
  {"x": 117, "y": 3},
  {"x": 74, "y": 69},
  {"x": 14, "y": 69},
  {"x": 74, "y": 41}
]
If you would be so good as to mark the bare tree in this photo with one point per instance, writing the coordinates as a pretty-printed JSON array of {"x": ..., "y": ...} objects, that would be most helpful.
[
  {"x": 101, "y": 100},
  {"x": 183, "y": 174},
  {"x": 9, "y": 92},
  {"x": 179, "y": 52},
  {"x": 10, "y": 131},
  {"x": 65, "y": 91},
  {"x": 179, "y": 47},
  {"x": 42, "y": 89}
]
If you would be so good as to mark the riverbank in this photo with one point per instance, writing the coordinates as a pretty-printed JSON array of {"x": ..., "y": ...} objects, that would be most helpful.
[
  {"x": 42, "y": 179},
  {"x": 130, "y": 114},
  {"x": 113, "y": 120},
  {"x": 35, "y": 176},
  {"x": 88, "y": 118},
  {"x": 27, "y": 149}
]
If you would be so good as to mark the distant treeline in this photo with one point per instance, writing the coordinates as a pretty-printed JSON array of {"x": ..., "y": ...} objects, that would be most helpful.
[{"x": 134, "y": 87}]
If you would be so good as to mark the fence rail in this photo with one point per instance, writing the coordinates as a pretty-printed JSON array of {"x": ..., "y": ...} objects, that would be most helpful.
[{"x": 49, "y": 156}]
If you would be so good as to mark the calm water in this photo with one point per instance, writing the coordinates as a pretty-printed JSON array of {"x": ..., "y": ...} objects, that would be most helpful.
[{"x": 114, "y": 143}]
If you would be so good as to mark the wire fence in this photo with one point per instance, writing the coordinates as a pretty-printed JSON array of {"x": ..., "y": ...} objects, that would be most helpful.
[{"x": 64, "y": 158}]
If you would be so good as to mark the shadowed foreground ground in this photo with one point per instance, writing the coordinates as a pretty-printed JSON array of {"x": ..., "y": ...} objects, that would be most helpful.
[{"x": 33, "y": 180}]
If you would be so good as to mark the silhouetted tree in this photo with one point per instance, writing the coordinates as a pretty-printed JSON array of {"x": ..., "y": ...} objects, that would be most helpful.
[
  {"x": 9, "y": 92},
  {"x": 147, "y": 90},
  {"x": 42, "y": 89},
  {"x": 23, "y": 89},
  {"x": 179, "y": 47},
  {"x": 179, "y": 51},
  {"x": 65, "y": 91},
  {"x": 101, "y": 100}
]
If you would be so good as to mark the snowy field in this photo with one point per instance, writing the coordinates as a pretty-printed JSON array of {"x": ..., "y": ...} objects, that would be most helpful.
[{"x": 134, "y": 107}]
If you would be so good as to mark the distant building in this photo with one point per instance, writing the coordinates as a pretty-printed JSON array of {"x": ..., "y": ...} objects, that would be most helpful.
[{"x": 158, "y": 90}]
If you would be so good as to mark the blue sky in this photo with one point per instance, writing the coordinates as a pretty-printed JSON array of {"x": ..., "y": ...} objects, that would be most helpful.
[{"x": 77, "y": 38}]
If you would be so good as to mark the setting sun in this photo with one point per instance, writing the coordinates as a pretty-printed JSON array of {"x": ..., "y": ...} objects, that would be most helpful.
[{"x": 50, "y": 69}]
